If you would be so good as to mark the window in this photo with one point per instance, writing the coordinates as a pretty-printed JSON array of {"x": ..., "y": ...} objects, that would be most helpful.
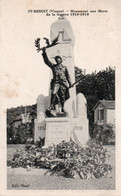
[{"x": 101, "y": 114}]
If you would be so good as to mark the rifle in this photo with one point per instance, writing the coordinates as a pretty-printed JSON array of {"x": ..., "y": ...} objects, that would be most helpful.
[{"x": 77, "y": 82}]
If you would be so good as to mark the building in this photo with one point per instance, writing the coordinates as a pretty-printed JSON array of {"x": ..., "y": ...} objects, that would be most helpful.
[
  {"x": 22, "y": 118},
  {"x": 104, "y": 112},
  {"x": 16, "y": 122},
  {"x": 26, "y": 118}
]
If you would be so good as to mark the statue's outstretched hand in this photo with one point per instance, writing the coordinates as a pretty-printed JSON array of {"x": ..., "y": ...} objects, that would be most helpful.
[{"x": 43, "y": 49}]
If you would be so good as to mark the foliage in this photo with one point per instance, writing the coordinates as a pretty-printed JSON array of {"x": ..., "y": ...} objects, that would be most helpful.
[
  {"x": 67, "y": 158},
  {"x": 95, "y": 87},
  {"x": 103, "y": 135},
  {"x": 20, "y": 135},
  {"x": 12, "y": 113},
  {"x": 24, "y": 132},
  {"x": 41, "y": 142},
  {"x": 109, "y": 134},
  {"x": 10, "y": 134}
]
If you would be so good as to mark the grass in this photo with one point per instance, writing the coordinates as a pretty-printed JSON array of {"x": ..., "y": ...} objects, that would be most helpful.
[{"x": 11, "y": 149}]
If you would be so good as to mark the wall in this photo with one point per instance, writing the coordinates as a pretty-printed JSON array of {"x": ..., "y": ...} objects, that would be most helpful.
[{"x": 111, "y": 116}]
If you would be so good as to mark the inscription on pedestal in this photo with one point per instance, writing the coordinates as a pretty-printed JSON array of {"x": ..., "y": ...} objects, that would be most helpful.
[
  {"x": 78, "y": 127},
  {"x": 40, "y": 129},
  {"x": 56, "y": 131},
  {"x": 79, "y": 130}
]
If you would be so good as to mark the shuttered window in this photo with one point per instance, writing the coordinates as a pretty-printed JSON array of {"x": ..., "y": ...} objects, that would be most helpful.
[{"x": 101, "y": 114}]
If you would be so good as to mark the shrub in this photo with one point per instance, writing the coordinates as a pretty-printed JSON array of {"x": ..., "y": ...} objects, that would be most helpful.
[
  {"x": 21, "y": 134},
  {"x": 104, "y": 136},
  {"x": 109, "y": 134}
]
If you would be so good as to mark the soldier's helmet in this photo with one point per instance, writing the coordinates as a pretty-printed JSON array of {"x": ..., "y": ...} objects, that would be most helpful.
[{"x": 58, "y": 59}]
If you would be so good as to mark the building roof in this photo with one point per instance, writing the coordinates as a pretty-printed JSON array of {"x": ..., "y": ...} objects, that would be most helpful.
[
  {"x": 18, "y": 118},
  {"x": 108, "y": 104}
]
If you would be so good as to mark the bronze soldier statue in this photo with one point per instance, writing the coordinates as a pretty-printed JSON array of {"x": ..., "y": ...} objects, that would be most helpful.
[{"x": 60, "y": 83}]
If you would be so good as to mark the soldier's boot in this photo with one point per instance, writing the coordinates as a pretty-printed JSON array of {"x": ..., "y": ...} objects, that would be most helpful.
[
  {"x": 52, "y": 104},
  {"x": 62, "y": 107}
]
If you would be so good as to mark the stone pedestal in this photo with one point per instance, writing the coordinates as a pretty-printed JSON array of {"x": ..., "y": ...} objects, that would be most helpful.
[
  {"x": 57, "y": 130},
  {"x": 40, "y": 130},
  {"x": 40, "y": 124},
  {"x": 79, "y": 130},
  {"x": 62, "y": 129}
]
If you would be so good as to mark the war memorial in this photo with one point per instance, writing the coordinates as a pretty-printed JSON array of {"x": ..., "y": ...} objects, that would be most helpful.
[{"x": 63, "y": 114}]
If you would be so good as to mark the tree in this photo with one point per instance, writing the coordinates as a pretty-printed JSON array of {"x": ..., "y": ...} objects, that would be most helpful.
[
  {"x": 95, "y": 87},
  {"x": 24, "y": 131}
]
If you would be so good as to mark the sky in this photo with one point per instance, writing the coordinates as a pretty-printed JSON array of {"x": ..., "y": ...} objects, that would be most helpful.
[{"x": 23, "y": 75}]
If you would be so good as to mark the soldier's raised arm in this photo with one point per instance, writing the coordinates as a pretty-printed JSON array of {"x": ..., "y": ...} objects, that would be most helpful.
[{"x": 45, "y": 58}]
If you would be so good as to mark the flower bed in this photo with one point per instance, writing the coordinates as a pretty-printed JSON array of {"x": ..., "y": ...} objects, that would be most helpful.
[{"x": 69, "y": 159}]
